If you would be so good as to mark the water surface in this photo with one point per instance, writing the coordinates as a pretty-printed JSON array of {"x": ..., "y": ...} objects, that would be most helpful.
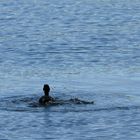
[{"x": 84, "y": 49}]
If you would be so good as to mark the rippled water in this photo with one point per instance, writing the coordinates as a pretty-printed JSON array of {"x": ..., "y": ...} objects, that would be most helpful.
[{"x": 86, "y": 49}]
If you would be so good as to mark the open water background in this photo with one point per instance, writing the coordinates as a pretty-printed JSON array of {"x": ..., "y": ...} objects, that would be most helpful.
[{"x": 88, "y": 49}]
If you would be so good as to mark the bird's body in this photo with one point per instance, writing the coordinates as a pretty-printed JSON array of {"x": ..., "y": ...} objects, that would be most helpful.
[{"x": 46, "y": 99}]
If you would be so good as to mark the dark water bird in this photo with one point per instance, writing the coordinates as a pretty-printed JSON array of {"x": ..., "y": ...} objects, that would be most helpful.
[{"x": 48, "y": 100}]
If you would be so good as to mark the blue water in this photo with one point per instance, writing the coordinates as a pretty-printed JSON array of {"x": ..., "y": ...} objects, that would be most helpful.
[{"x": 86, "y": 49}]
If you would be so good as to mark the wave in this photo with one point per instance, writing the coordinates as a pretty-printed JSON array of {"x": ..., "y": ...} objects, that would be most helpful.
[{"x": 30, "y": 104}]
